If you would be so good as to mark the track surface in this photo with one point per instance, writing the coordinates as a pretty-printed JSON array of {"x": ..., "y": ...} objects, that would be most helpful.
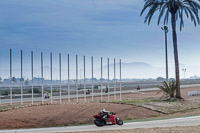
[{"x": 185, "y": 121}]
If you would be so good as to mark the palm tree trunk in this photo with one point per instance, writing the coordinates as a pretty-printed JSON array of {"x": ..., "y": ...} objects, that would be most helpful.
[{"x": 173, "y": 22}]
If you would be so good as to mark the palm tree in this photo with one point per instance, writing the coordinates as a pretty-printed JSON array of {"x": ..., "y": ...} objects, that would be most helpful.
[
  {"x": 168, "y": 89},
  {"x": 177, "y": 9}
]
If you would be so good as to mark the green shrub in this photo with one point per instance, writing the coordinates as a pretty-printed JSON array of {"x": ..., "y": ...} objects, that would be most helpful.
[
  {"x": 169, "y": 88},
  {"x": 35, "y": 90},
  {"x": 4, "y": 92}
]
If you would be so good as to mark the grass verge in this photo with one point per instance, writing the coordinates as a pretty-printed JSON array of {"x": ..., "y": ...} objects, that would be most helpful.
[{"x": 167, "y": 107}]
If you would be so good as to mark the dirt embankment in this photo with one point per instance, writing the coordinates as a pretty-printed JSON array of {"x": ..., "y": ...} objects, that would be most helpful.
[
  {"x": 67, "y": 114},
  {"x": 189, "y": 129}
]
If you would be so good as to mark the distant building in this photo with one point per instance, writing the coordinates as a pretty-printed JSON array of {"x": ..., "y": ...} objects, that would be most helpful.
[
  {"x": 160, "y": 79},
  {"x": 37, "y": 80},
  {"x": 6, "y": 81}
]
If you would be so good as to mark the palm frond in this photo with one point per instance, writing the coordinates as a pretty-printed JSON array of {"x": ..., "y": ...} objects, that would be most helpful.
[
  {"x": 168, "y": 88},
  {"x": 190, "y": 8}
]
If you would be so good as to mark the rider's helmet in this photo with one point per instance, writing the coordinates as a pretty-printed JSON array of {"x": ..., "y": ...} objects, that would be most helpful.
[{"x": 103, "y": 110}]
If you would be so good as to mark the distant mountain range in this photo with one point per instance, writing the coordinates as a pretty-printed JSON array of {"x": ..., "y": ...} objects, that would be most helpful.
[
  {"x": 129, "y": 70},
  {"x": 144, "y": 70},
  {"x": 138, "y": 70}
]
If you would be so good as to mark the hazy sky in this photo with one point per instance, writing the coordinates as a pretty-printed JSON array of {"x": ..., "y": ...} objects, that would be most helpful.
[{"x": 107, "y": 28}]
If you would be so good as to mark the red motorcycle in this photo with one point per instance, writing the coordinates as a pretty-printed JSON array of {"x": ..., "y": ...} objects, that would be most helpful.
[{"x": 111, "y": 120}]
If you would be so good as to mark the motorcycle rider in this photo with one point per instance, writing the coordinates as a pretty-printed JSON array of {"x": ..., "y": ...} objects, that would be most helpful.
[{"x": 105, "y": 114}]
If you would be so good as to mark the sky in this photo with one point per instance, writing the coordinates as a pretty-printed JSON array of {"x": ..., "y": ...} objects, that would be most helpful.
[{"x": 99, "y": 28}]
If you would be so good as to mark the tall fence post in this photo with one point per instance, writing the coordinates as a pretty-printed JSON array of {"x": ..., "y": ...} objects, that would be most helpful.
[
  {"x": 120, "y": 76},
  {"x": 84, "y": 77},
  {"x": 77, "y": 78},
  {"x": 92, "y": 80},
  {"x": 108, "y": 89},
  {"x": 22, "y": 79},
  {"x": 60, "y": 77},
  {"x": 32, "y": 73},
  {"x": 68, "y": 79},
  {"x": 51, "y": 78},
  {"x": 0, "y": 77},
  {"x": 114, "y": 81},
  {"x": 42, "y": 78},
  {"x": 11, "y": 77},
  {"x": 101, "y": 78}
]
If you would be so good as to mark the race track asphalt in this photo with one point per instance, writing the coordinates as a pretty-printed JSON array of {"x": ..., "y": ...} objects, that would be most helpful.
[{"x": 184, "y": 121}]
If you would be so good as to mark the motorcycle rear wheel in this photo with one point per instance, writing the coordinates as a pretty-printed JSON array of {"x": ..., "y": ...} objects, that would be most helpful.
[{"x": 99, "y": 122}]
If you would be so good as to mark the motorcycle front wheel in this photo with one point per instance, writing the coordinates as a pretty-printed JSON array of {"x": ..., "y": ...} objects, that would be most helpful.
[
  {"x": 120, "y": 122},
  {"x": 99, "y": 122}
]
